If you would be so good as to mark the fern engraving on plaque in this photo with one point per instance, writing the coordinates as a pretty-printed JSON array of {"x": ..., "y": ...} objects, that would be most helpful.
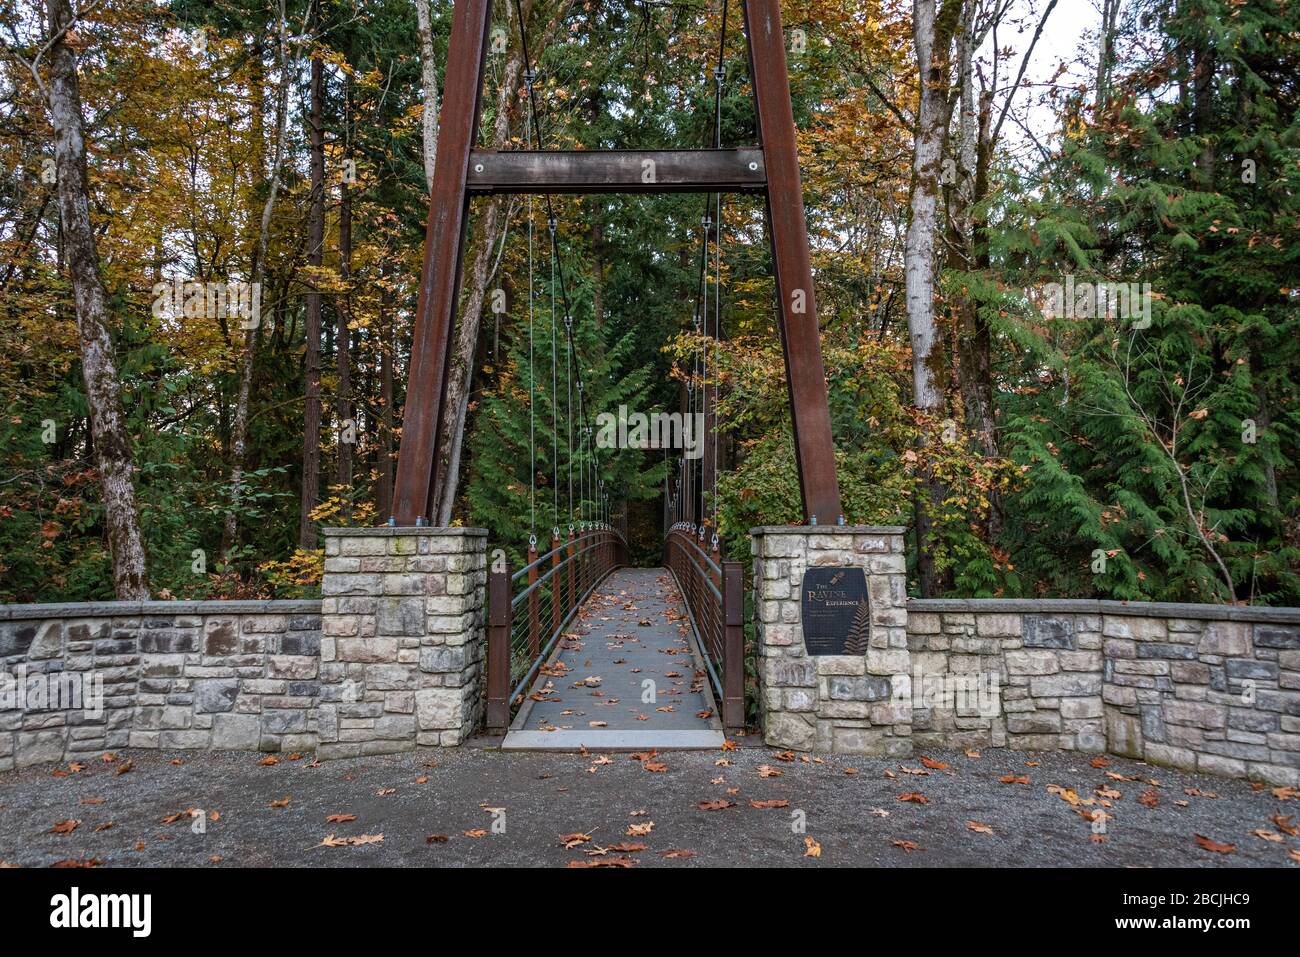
[{"x": 836, "y": 611}]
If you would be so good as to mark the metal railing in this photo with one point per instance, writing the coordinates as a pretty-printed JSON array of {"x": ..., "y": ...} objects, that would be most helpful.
[
  {"x": 714, "y": 592},
  {"x": 529, "y": 609}
]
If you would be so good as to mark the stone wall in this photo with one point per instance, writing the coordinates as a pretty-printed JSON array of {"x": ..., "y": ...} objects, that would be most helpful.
[
  {"x": 204, "y": 674},
  {"x": 831, "y": 702},
  {"x": 1201, "y": 687},
  {"x": 391, "y": 658}
]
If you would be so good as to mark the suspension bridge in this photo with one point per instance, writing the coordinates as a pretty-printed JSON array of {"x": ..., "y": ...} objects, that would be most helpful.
[{"x": 584, "y": 651}]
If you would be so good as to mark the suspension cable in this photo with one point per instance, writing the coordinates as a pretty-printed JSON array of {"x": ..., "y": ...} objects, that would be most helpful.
[{"x": 557, "y": 265}]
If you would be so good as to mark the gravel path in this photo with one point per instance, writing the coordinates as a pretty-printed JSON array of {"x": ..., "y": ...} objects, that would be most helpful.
[{"x": 854, "y": 817}]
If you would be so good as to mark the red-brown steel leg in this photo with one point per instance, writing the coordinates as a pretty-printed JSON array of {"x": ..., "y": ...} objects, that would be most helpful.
[
  {"x": 805, "y": 374},
  {"x": 444, "y": 242}
]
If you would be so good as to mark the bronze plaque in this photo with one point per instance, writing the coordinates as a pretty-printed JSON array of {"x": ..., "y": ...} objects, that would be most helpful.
[{"x": 836, "y": 611}]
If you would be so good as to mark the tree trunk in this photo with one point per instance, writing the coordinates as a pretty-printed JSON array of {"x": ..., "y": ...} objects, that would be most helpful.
[
  {"x": 429, "y": 81},
  {"x": 112, "y": 446},
  {"x": 932, "y": 35},
  {"x": 387, "y": 350},
  {"x": 467, "y": 332},
  {"x": 343, "y": 368},
  {"x": 315, "y": 257},
  {"x": 239, "y": 427}
]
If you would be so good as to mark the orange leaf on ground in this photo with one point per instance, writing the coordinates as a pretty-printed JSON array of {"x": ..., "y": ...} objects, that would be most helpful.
[{"x": 1215, "y": 846}]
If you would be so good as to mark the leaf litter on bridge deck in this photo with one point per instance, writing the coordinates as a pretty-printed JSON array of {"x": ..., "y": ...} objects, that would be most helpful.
[{"x": 628, "y": 665}]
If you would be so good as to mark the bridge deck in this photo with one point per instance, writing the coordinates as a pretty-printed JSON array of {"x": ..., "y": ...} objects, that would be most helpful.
[{"x": 626, "y": 675}]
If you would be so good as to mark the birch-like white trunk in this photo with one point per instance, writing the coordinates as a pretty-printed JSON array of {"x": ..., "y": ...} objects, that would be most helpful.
[
  {"x": 429, "y": 81},
  {"x": 919, "y": 260},
  {"x": 112, "y": 446}
]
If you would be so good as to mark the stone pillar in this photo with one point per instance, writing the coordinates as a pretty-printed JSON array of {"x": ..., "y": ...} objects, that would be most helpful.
[
  {"x": 842, "y": 703},
  {"x": 402, "y": 645}
]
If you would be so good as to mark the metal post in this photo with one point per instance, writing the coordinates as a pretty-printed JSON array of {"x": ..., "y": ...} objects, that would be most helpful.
[
  {"x": 555, "y": 582},
  {"x": 573, "y": 594},
  {"x": 733, "y": 646},
  {"x": 498, "y": 665},
  {"x": 534, "y": 638}
]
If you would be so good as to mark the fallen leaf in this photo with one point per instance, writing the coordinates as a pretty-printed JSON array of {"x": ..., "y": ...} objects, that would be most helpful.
[
  {"x": 933, "y": 765},
  {"x": 604, "y": 862},
  {"x": 676, "y": 853},
  {"x": 356, "y": 841},
  {"x": 716, "y": 805},
  {"x": 1014, "y": 779},
  {"x": 65, "y": 827},
  {"x": 283, "y": 802},
  {"x": 268, "y": 761},
  {"x": 1212, "y": 845},
  {"x": 573, "y": 840},
  {"x": 640, "y": 830},
  {"x": 978, "y": 828},
  {"x": 914, "y": 797},
  {"x": 811, "y": 848},
  {"x": 908, "y": 846},
  {"x": 437, "y": 839},
  {"x": 476, "y": 832},
  {"x": 1268, "y": 835},
  {"x": 778, "y": 802},
  {"x": 1149, "y": 798},
  {"x": 339, "y": 818}
]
